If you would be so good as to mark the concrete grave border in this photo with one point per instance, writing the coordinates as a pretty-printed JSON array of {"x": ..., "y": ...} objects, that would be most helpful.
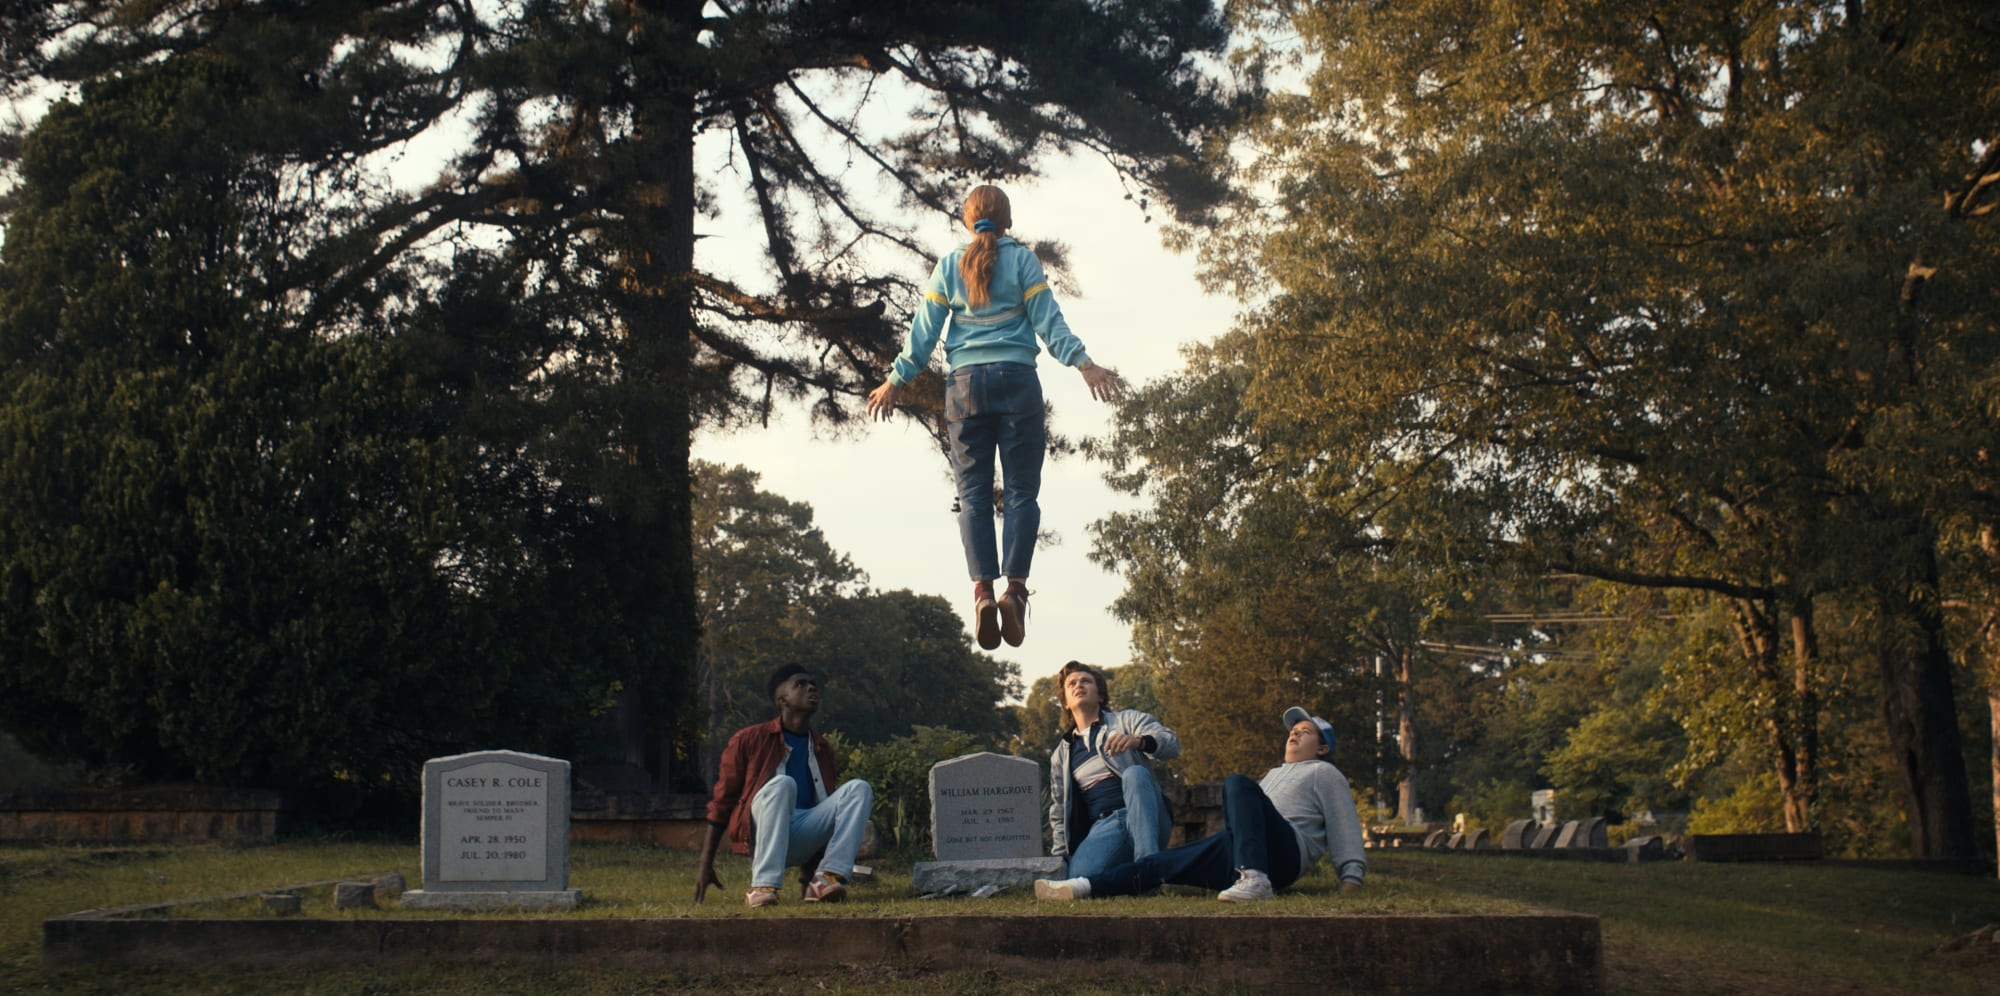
[{"x": 1544, "y": 953}]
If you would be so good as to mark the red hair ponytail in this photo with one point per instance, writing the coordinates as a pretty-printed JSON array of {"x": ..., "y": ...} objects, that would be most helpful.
[{"x": 989, "y": 204}]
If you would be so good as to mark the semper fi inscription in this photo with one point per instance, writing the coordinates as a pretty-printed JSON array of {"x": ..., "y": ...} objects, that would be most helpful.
[{"x": 494, "y": 818}]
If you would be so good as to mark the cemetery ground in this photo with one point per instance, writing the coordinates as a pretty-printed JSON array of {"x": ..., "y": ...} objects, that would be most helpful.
[{"x": 1668, "y": 927}]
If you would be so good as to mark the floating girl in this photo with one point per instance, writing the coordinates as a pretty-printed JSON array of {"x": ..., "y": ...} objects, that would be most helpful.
[{"x": 997, "y": 300}]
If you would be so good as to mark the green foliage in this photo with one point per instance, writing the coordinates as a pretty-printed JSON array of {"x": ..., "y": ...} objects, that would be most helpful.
[
  {"x": 1751, "y": 806},
  {"x": 899, "y": 770},
  {"x": 235, "y": 554},
  {"x": 354, "y": 350},
  {"x": 1658, "y": 298}
]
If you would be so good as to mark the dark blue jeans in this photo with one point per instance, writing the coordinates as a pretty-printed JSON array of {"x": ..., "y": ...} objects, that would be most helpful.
[
  {"x": 996, "y": 409},
  {"x": 1256, "y": 836}
]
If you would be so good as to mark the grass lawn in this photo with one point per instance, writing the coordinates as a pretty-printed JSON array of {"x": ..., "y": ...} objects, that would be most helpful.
[{"x": 1669, "y": 927}]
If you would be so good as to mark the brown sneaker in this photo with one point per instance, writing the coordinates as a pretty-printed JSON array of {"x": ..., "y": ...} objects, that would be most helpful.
[
  {"x": 826, "y": 887},
  {"x": 985, "y": 615},
  {"x": 1014, "y": 613}
]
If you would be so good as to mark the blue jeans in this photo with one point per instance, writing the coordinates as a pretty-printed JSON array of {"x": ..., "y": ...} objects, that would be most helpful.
[
  {"x": 1256, "y": 836},
  {"x": 988, "y": 409},
  {"x": 783, "y": 835},
  {"x": 1127, "y": 834}
]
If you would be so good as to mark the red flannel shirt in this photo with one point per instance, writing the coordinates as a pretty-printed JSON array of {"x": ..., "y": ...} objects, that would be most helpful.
[{"x": 753, "y": 755}]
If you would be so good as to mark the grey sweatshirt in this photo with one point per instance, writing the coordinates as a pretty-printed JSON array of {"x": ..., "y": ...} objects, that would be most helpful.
[{"x": 1312, "y": 795}]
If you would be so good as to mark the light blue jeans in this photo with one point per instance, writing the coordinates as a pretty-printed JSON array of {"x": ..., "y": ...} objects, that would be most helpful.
[
  {"x": 1128, "y": 834},
  {"x": 786, "y": 835},
  {"x": 996, "y": 409}
]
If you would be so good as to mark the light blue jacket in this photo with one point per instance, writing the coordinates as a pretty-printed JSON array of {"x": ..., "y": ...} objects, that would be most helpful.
[{"x": 1020, "y": 309}]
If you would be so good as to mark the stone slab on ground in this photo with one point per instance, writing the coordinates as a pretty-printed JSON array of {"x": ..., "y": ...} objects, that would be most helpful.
[
  {"x": 1755, "y": 847},
  {"x": 965, "y": 876},
  {"x": 559, "y": 899},
  {"x": 1543, "y": 953}
]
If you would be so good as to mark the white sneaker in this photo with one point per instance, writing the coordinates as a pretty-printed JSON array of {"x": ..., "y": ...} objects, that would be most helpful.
[
  {"x": 1065, "y": 888},
  {"x": 1251, "y": 885}
]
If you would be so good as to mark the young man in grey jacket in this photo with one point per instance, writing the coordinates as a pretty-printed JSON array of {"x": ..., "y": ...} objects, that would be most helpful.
[
  {"x": 1277, "y": 828},
  {"x": 1105, "y": 808}
]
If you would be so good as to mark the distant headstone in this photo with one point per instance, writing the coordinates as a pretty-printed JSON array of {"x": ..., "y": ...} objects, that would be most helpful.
[
  {"x": 495, "y": 832},
  {"x": 986, "y": 806},
  {"x": 1437, "y": 838},
  {"x": 1475, "y": 840},
  {"x": 1457, "y": 840},
  {"x": 1568, "y": 837},
  {"x": 1545, "y": 836},
  {"x": 1648, "y": 848},
  {"x": 1543, "y": 802},
  {"x": 1517, "y": 835},
  {"x": 986, "y": 826},
  {"x": 282, "y": 903},
  {"x": 1593, "y": 833}
]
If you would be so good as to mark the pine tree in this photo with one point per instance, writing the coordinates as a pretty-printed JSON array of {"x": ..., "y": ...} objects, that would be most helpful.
[{"x": 569, "y": 134}]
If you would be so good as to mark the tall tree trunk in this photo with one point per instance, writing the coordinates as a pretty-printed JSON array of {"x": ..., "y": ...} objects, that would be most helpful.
[
  {"x": 1989, "y": 644},
  {"x": 1805, "y": 719},
  {"x": 1406, "y": 739},
  {"x": 1993, "y": 724},
  {"x": 1757, "y": 635},
  {"x": 655, "y": 305},
  {"x": 1922, "y": 719}
]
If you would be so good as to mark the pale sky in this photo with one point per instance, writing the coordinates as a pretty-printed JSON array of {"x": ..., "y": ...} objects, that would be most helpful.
[{"x": 885, "y": 499}]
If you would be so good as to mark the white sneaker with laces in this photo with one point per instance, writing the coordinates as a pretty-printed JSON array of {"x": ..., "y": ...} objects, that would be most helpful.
[
  {"x": 1064, "y": 888},
  {"x": 1251, "y": 885}
]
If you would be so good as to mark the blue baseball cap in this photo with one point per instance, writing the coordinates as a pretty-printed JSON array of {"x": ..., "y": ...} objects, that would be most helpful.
[{"x": 1295, "y": 715}]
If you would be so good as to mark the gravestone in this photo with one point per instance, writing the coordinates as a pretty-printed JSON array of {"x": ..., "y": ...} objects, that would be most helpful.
[
  {"x": 1437, "y": 837},
  {"x": 1647, "y": 848},
  {"x": 495, "y": 833},
  {"x": 1517, "y": 834},
  {"x": 1571, "y": 831},
  {"x": 1457, "y": 841},
  {"x": 986, "y": 826},
  {"x": 1543, "y": 802},
  {"x": 1475, "y": 840},
  {"x": 986, "y": 806},
  {"x": 1545, "y": 836},
  {"x": 1594, "y": 833}
]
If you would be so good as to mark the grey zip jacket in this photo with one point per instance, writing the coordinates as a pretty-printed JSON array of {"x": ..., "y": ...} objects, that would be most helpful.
[{"x": 1129, "y": 721}]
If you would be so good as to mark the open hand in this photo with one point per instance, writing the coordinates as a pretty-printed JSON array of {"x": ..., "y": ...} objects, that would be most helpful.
[
  {"x": 1105, "y": 385},
  {"x": 882, "y": 402}
]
